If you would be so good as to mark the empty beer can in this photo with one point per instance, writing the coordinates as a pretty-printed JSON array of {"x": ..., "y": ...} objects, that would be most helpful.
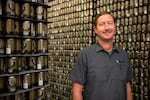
[
  {"x": 41, "y": 94},
  {"x": 41, "y": 29},
  {"x": 40, "y": 12},
  {"x": 2, "y": 46},
  {"x": 10, "y": 26},
  {"x": 32, "y": 12},
  {"x": 32, "y": 63},
  {"x": 26, "y": 81},
  {"x": 12, "y": 64},
  {"x": 33, "y": 31},
  {"x": 26, "y": 46},
  {"x": 24, "y": 63},
  {"x": 10, "y": 46},
  {"x": 40, "y": 79},
  {"x": 18, "y": 46},
  {"x": 10, "y": 7},
  {"x": 12, "y": 83},
  {"x": 17, "y": 9},
  {"x": 26, "y": 27},
  {"x": 17, "y": 28},
  {"x": 34, "y": 46},
  {"x": 26, "y": 10},
  {"x": 2, "y": 65},
  {"x": 41, "y": 46},
  {"x": 40, "y": 62}
]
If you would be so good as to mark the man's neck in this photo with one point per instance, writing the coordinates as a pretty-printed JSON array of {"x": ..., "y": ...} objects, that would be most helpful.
[{"x": 107, "y": 46}]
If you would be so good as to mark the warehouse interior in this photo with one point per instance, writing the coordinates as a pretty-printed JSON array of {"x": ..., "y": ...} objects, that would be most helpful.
[{"x": 40, "y": 40}]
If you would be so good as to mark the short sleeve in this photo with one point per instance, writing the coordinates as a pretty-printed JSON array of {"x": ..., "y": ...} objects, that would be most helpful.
[
  {"x": 129, "y": 72},
  {"x": 78, "y": 73}
]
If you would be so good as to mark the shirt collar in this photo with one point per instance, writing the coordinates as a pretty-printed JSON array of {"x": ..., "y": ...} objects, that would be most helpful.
[{"x": 99, "y": 48}]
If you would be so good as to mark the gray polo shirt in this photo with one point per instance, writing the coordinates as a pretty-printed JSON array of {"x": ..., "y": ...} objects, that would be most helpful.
[{"x": 103, "y": 75}]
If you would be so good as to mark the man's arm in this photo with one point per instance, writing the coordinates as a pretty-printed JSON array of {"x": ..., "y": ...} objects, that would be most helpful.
[
  {"x": 129, "y": 92},
  {"x": 77, "y": 91}
]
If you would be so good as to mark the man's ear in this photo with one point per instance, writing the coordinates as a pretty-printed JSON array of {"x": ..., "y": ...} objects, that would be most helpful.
[{"x": 95, "y": 29}]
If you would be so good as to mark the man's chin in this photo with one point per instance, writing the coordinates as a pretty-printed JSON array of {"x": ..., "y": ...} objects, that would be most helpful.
[{"x": 108, "y": 39}]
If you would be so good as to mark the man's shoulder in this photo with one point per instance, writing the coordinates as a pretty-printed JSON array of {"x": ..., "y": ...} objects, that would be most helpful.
[
  {"x": 89, "y": 48},
  {"x": 122, "y": 52}
]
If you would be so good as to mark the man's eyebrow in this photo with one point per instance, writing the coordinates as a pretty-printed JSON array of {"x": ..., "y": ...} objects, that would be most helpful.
[
  {"x": 105, "y": 22},
  {"x": 110, "y": 21},
  {"x": 101, "y": 22}
]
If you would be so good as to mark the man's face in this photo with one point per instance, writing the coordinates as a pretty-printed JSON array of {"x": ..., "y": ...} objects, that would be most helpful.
[{"x": 105, "y": 28}]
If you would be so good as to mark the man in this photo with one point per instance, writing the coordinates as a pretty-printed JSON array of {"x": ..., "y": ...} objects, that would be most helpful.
[{"x": 102, "y": 71}]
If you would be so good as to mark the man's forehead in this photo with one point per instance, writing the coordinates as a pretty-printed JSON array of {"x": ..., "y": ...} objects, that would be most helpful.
[{"x": 106, "y": 17}]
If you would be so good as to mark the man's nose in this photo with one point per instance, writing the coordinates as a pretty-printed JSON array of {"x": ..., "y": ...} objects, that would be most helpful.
[{"x": 106, "y": 26}]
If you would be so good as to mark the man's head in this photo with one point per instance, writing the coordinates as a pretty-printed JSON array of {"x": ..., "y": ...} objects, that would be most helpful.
[
  {"x": 103, "y": 13},
  {"x": 104, "y": 26}
]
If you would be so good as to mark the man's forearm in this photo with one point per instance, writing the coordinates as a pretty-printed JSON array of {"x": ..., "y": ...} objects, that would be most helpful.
[
  {"x": 77, "y": 92},
  {"x": 129, "y": 92},
  {"x": 77, "y": 96}
]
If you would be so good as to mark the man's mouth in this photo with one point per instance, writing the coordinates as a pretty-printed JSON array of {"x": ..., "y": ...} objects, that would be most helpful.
[{"x": 108, "y": 32}]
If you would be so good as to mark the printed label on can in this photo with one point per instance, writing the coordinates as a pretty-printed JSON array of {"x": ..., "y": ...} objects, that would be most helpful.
[
  {"x": 39, "y": 66},
  {"x": 12, "y": 89},
  {"x": 8, "y": 50},
  {"x": 40, "y": 82},
  {"x": 25, "y": 85}
]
